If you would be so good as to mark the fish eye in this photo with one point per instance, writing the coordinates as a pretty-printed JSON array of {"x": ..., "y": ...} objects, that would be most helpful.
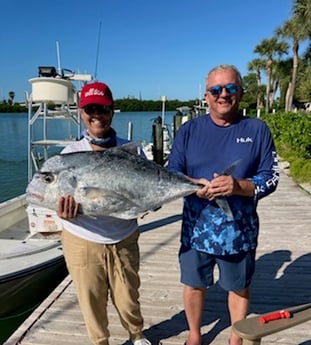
[{"x": 47, "y": 177}]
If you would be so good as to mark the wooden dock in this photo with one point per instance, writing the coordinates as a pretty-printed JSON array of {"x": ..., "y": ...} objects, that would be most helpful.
[{"x": 282, "y": 279}]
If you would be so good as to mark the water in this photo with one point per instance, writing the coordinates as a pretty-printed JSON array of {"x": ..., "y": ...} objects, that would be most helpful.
[{"x": 14, "y": 142}]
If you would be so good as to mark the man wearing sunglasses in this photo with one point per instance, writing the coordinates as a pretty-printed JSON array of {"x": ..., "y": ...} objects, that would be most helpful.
[
  {"x": 234, "y": 158},
  {"x": 101, "y": 253}
]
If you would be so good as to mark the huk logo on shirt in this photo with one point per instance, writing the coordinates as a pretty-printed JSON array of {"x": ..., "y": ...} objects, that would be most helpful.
[
  {"x": 94, "y": 92},
  {"x": 244, "y": 140}
]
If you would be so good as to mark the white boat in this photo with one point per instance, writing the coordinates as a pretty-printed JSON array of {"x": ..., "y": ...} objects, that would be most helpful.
[
  {"x": 196, "y": 110},
  {"x": 31, "y": 258},
  {"x": 29, "y": 266}
]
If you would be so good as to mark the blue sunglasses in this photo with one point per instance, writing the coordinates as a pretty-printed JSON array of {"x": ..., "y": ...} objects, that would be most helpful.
[{"x": 230, "y": 88}]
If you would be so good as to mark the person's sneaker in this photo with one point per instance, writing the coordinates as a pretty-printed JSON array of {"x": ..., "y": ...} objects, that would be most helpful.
[{"x": 143, "y": 341}]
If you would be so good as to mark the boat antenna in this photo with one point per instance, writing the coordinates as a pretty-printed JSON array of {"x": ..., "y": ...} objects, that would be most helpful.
[
  {"x": 59, "y": 68},
  {"x": 97, "y": 52}
]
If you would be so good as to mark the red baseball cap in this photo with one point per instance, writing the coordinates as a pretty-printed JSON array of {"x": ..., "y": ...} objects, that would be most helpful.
[{"x": 96, "y": 93}]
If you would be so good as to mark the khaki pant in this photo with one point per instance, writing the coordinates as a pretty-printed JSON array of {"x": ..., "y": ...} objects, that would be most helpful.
[{"x": 96, "y": 269}]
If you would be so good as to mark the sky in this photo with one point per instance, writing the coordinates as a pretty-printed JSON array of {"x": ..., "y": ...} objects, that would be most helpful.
[{"x": 141, "y": 48}]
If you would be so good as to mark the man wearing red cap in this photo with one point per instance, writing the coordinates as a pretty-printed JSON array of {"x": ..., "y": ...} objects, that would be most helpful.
[{"x": 101, "y": 253}]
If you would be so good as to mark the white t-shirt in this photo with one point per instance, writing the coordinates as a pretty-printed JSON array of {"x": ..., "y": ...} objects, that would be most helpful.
[{"x": 106, "y": 230}]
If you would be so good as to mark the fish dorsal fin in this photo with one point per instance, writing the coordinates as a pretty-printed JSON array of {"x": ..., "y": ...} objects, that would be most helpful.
[{"x": 132, "y": 147}]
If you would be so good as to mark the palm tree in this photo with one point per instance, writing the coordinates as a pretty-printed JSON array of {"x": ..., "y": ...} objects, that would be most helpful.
[
  {"x": 295, "y": 30},
  {"x": 275, "y": 82},
  {"x": 303, "y": 84},
  {"x": 307, "y": 54},
  {"x": 302, "y": 10},
  {"x": 284, "y": 71},
  {"x": 256, "y": 65},
  {"x": 269, "y": 48}
]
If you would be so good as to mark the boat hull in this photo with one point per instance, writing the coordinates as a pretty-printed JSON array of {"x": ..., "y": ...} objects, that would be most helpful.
[{"x": 23, "y": 291}]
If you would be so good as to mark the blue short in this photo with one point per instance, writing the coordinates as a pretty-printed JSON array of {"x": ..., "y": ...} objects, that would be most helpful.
[{"x": 235, "y": 271}]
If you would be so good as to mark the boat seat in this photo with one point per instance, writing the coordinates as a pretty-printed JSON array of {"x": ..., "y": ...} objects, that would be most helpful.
[{"x": 252, "y": 330}]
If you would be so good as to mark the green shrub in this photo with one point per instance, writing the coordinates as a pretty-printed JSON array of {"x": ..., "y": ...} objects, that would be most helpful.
[
  {"x": 300, "y": 170},
  {"x": 292, "y": 136}
]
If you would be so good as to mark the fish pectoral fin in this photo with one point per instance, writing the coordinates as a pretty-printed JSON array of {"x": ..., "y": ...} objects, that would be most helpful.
[
  {"x": 103, "y": 201},
  {"x": 94, "y": 193}
]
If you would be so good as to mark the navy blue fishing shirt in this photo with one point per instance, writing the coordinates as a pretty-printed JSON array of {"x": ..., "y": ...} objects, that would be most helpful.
[{"x": 202, "y": 148}]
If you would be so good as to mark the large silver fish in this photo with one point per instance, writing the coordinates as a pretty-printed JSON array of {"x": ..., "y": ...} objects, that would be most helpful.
[{"x": 113, "y": 182}]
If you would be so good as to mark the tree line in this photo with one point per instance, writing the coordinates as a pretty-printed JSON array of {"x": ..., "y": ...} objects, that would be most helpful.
[{"x": 124, "y": 104}]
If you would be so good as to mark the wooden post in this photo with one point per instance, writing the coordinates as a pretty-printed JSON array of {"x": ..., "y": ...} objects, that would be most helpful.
[
  {"x": 130, "y": 131},
  {"x": 177, "y": 122},
  {"x": 157, "y": 148},
  {"x": 163, "y": 109}
]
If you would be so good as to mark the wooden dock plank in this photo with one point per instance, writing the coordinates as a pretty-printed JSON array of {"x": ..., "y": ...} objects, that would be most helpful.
[{"x": 282, "y": 279}]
